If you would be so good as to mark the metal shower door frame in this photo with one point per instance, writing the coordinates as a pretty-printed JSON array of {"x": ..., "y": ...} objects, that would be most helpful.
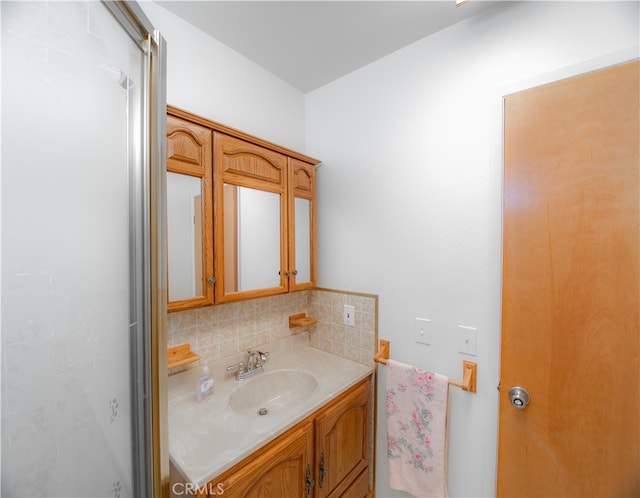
[{"x": 148, "y": 257}]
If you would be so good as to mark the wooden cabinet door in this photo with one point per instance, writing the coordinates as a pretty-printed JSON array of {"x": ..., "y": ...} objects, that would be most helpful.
[
  {"x": 342, "y": 445},
  {"x": 189, "y": 214},
  {"x": 301, "y": 225},
  {"x": 250, "y": 220},
  {"x": 279, "y": 471}
]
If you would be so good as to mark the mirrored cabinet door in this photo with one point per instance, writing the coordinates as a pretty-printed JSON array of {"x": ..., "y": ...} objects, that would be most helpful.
[
  {"x": 302, "y": 255},
  {"x": 251, "y": 249},
  {"x": 189, "y": 214}
]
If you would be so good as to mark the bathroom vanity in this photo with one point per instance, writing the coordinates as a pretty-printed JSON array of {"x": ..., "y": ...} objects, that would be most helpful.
[{"x": 301, "y": 428}]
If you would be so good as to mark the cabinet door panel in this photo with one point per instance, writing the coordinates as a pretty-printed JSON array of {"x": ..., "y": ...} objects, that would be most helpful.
[
  {"x": 341, "y": 441},
  {"x": 302, "y": 229},
  {"x": 189, "y": 214},
  {"x": 251, "y": 220},
  {"x": 278, "y": 472}
]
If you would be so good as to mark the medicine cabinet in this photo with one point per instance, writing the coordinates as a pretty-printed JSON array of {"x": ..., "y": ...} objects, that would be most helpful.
[{"x": 255, "y": 220}]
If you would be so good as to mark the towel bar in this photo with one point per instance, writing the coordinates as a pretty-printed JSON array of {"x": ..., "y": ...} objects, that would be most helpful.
[{"x": 469, "y": 368}]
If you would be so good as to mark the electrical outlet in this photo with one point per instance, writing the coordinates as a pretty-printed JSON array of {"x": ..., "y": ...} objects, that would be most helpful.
[
  {"x": 349, "y": 315},
  {"x": 423, "y": 330},
  {"x": 468, "y": 340}
]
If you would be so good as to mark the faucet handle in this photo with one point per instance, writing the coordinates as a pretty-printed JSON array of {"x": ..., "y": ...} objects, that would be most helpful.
[
  {"x": 237, "y": 367},
  {"x": 263, "y": 356}
]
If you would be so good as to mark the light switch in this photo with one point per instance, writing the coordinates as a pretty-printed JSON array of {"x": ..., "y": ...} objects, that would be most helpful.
[
  {"x": 423, "y": 330},
  {"x": 468, "y": 340}
]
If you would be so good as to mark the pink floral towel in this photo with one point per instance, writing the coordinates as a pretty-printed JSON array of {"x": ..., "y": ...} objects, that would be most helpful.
[{"x": 416, "y": 430}]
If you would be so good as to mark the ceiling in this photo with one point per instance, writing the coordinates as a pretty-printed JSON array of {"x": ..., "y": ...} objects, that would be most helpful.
[{"x": 310, "y": 43}]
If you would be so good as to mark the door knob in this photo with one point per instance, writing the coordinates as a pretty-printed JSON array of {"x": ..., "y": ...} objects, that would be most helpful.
[{"x": 519, "y": 397}]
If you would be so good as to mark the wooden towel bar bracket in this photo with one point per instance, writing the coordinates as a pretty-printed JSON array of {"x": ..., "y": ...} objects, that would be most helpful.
[{"x": 469, "y": 368}]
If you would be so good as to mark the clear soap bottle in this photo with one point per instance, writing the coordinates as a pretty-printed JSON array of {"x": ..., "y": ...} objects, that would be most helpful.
[{"x": 206, "y": 382}]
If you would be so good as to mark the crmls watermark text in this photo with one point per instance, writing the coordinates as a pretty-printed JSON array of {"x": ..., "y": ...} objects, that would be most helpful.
[{"x": 190, "y": 489}]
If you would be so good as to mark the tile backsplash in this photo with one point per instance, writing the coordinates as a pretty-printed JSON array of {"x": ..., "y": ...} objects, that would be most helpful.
[
  {"x": 223, "y": 330},
  {"x": 330, "y": 334}
]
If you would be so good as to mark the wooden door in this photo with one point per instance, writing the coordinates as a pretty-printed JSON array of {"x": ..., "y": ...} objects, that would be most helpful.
[{"x": 570, "y": 325}]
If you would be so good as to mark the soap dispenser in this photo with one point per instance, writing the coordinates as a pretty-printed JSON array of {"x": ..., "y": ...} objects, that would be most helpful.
[{"x": 204, "y": 389}]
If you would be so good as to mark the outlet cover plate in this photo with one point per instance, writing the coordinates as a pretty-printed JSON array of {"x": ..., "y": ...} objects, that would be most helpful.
[{"x": 349, "y": 315}]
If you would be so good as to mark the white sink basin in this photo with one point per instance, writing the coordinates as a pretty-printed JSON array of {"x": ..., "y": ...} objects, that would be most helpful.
[{"x": 271, "y": 392}]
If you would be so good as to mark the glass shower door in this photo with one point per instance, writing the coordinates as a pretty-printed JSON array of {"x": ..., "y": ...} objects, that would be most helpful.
[{"x": 75, "y": 262}]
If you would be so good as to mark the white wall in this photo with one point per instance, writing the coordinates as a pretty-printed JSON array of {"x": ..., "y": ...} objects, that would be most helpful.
[
  {"x": 410, "y": 191},
  {"x": 207, "y": 78}
]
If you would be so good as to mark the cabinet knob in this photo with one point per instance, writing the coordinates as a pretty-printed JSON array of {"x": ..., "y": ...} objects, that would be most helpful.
[{"x": 211, "y": 280}]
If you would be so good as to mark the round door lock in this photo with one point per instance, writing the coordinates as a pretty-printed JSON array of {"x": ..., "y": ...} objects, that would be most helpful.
[{"x": 519, "y": 397}]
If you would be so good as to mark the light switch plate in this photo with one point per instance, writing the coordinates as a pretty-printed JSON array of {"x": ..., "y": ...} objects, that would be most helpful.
[
  {"x": 468, "y": 340},
  {"x": 423, "y": 330}
]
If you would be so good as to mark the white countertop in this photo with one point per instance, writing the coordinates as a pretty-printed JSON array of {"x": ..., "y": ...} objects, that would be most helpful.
[{"x": 205, "y": 439}]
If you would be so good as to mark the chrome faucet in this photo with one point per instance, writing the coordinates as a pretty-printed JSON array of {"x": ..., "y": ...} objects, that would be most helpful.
[
  {"x": 255, "y": 359},
  {"x": 253, "y": 365}
]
